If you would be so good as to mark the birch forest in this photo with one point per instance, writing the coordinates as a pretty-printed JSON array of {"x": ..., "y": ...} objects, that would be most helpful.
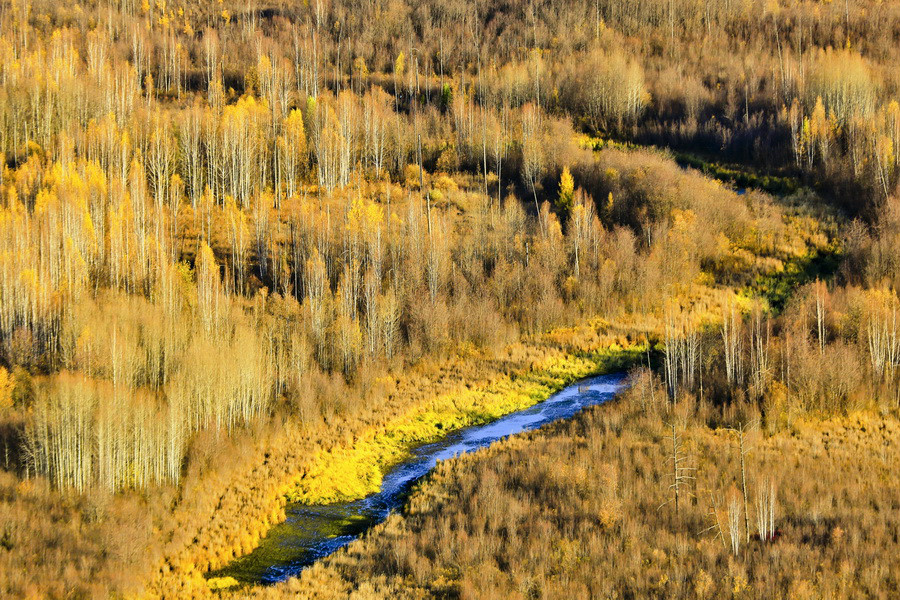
[{"x": 237, "y": 236}]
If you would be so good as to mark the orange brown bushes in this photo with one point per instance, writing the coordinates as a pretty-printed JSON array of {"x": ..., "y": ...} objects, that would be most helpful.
[
  {"x": 575, "y": 510},
  {"x": 73, "y": 546}
]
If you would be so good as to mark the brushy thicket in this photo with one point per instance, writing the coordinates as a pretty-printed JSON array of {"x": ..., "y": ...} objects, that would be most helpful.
[{"x": 583, "y": 509}]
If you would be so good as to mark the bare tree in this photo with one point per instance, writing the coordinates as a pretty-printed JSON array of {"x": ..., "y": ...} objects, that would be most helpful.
[
  {"x": 682, "y": 354},
  {"x": 765, "y": 510},
  {"x": 714, "y": 516},
  {"x": 532, "y": 151},
  {"x": 821, "y": 296},
  {"x": 883, "y": 339},
  {"x": 681, "y": 475},
  {"x": 759, "y": 352},
  {"x": 740, "y": 432},
  {"x": 731, "y": 340},
  {"x": 734, "y": 523}
]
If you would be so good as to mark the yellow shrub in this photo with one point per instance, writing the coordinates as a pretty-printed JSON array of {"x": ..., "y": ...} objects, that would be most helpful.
[{"x": 221, "y": 583}]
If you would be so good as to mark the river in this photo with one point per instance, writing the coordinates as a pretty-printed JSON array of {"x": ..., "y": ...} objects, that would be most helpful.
[{"x": 312, "y": 532}]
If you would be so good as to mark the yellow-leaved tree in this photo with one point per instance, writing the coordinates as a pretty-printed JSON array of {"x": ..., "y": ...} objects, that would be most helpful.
[
  {"x": 7, "y": 383},
  {"x": 566, "y": 193}
]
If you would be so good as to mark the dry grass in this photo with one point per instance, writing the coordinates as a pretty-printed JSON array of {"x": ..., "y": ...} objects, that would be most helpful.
[{"x": 578, "y": 511}]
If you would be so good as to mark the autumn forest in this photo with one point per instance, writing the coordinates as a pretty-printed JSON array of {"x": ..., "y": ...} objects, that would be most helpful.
[{"x": 252, "y": 253}]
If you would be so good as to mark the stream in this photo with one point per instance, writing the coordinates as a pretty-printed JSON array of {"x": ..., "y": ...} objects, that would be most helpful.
[{"x": 313, "y": 532}]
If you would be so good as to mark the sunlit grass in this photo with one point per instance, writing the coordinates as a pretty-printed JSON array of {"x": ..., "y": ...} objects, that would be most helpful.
[{"x": 353, "y": 472}]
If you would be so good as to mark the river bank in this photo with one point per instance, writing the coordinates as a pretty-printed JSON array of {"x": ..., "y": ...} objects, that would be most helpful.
[
  {"x": 348, "y": 457},
  {"x": 583, "y": 509},
  {"x": 311, "y": 533}
]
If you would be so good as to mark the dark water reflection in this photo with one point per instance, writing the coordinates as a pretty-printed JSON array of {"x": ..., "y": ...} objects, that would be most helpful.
[{"x": 312, "y": 532}]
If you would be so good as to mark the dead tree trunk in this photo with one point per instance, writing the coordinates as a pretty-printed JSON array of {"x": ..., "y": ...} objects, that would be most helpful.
[
  {"x": 740, "y": 431},
  {"x": 681, "y": 475}
]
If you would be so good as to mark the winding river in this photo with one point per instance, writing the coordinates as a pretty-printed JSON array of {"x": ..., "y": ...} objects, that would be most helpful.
[{"x": 313, "y": 532}]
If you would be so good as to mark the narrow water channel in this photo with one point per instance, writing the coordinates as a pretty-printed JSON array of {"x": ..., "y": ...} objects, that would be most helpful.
[{"x": 313, "y": 532}]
